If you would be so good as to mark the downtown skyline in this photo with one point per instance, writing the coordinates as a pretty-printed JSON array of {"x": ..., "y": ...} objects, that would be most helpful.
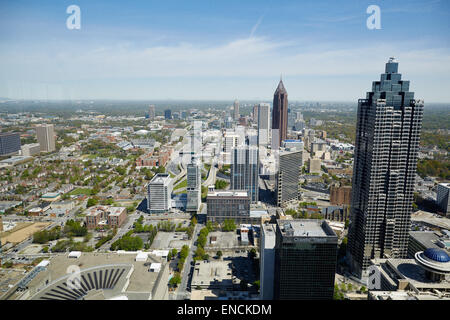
[{"x": 218, "y": 52}]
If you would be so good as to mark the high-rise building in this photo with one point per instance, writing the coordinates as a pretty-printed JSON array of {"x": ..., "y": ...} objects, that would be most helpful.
[
  {"x": 151, "y": 111},
  {"x": 305, "y": 260},
  {"x": 193, "y": 187},
  {"x": 230, "y": 204},
  {"x": 387, "y": 144},
  {"x": 159, "y": 192},
  {"x": 279, "y": 115},
  {"x": 244, "y": 171},
  {"x": 288, "y": 176},
  {"x": 255, "y": 113},
  {"x": 267, "y": 261},
  {"x": 46, "y": 137},
  {"x": 9, "y": 143},
  {"x": 443, "y": 197},
  {"x": 168, "y": 114},
  {"x": 236, "y": 114},
  {"x": 263, "y": 124}
]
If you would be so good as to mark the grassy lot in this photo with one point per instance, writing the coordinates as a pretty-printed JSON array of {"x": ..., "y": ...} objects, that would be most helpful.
[
  {"x": 79, "y": 191},
  {"x": 182, "y": 184}
]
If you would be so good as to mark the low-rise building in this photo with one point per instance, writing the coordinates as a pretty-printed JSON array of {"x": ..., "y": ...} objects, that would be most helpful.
[
  {"x": 231, "y": 204},
  {"x": 102, "y": 215}
]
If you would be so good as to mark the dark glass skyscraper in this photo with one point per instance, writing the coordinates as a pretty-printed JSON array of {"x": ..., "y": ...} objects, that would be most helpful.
[
  {"x": 279, "y": 114},
  {"x": 305, "y": 260},
  {"x": 387, "y": 143}
]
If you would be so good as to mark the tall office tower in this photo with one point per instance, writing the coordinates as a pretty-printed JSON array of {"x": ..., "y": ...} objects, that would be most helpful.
[
  {"x": 288, "y": 176},
  {"x": 46, "y": 137},
  {"x": 263, "y": 124},
  {"x": 9, "y": 143},
  {"x": 159, "y": 192},
  {"x": 168, "y": 114},
  {"x": 291, "y": 119},
  {"x": 244, "y": 171},
  {"x": 387, "y": 143},
  {"x": 236, "y": 115},
  {"x": 194, "y": 186},
  {"x": 305, "y": 260},
  {"x": 279, "y": 115},
  {"x": 443, "y": 197},
  {"x": 267, "y": 261},
  {"x": 151, "y": 111},
  {"x": 255, "y": 113}
]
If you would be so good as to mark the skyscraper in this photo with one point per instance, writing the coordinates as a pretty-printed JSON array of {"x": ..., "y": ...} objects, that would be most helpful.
[
  {"x": 151, "y": 111},
  {"x": 255, "y": 113},
  {"x": 387, "y": 143},
  {"x": 244, "y": 171},
  {"x": 288, "y": 176},
  {"x": 46, "y": 137},
  {"x": 263, "y": 124},
  {"x": 9, "y": 143},
  {"x": 279, "y": 115},
  {"x": 236, "y": 110},
  {"x": 167, "y": 114},
  {"x": 159, "y": 191},
  {"x": 305, "y": 260},
  {"x": 193, "y": 188}
]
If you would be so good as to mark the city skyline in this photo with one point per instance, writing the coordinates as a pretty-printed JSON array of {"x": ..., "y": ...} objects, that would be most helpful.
[{"x": 153, "y": 51}]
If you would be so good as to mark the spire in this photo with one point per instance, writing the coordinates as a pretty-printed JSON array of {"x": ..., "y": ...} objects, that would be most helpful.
[{"x": 280, "y": 88}]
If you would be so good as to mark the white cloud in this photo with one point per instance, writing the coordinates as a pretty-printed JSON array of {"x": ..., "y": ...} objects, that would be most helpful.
[{"x": 252, "y": 57}]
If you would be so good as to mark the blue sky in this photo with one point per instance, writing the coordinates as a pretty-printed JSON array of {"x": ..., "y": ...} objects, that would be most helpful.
[{"x": 195, "y": 49}]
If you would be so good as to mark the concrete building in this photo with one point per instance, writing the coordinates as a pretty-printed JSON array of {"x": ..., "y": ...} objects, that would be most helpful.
[
  {"x": 422, "y": 240},
  {"x": 267, "y": 260},
  {"x": 31, "y": 149},
  {"x": 213, "y": 275},
  {"x": 314, "y": 165},
  {"x": 443, "y": 198},
  {"x": 288, "y": 176},
  {"x": 340, "y": 195},
  {"x": 245, "y": 171},
  {"x": 305, "y": 260},
  {"x": 426, "y": 277},
  {"x": 46, "y": 137},
  {"x": 232, "y": 204},
  {"x": 263, "y": 124},
  {"x": 103, "y": 276},
  {"x": 387, "y": 144},
  {"x": 193, "y": 187},
  {"x": 292, "y": 144},
  {"x": 9, "y": 143},
  {"x": 159, "y": 191},
  {"x": 255, "y": 113}
]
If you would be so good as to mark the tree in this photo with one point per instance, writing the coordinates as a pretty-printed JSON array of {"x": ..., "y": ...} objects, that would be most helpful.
[
  {"x": 91, "y": 202},
  {"x": 228, "y": 225},
  {"x": 219, "y": 254},
  {"x": 175, "y": 280},
  {"x": 252, "y": 253}
]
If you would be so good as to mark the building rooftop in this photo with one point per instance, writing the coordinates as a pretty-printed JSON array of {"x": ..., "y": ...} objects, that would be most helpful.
[
  {"x": 231, "y": 193},
  {"x": 305, "y": 228},
  {"x": 161, "y": 178}
]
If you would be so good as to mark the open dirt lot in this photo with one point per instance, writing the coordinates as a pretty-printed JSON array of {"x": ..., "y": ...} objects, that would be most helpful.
[{"x": 21, "y": 233}]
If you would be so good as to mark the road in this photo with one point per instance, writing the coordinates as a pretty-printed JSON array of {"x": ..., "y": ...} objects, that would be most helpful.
[
  {"x": 211, "y": 179},
  {"x": 181, "y": 292}
]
